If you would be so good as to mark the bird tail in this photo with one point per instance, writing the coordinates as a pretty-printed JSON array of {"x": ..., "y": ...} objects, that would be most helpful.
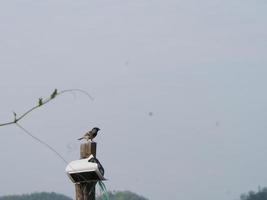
[{"x": 80, "y": 138}]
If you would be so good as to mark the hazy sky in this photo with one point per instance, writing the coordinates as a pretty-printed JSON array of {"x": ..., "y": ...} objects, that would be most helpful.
[{"x": 198, "y": 66}]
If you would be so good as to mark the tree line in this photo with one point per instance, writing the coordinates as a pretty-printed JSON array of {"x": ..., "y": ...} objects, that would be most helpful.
[
  {"x": 260, "y": 195},
  {"x": 126, "y": 195}
]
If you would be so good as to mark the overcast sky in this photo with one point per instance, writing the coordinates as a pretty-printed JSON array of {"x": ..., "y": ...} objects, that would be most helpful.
[{"x": 179, "y": 88}]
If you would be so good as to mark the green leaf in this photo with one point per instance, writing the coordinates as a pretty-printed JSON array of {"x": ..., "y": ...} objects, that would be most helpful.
[
  {"x": 40, "y": 102},
  {"x": 54, "y": 94}
]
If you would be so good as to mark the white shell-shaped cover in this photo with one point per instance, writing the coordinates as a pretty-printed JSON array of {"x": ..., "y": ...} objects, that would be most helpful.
[{"x": 82, "y": 165}]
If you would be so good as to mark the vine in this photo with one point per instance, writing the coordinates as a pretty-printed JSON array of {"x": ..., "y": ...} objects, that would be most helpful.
[{"x": 42, "y": 102}]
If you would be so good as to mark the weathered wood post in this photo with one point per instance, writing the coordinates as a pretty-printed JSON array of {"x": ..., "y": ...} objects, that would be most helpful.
[{"x": 86, "y": 191}]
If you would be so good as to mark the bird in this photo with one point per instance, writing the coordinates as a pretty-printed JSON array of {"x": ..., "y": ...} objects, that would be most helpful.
[{"x": 90, "y": 135}]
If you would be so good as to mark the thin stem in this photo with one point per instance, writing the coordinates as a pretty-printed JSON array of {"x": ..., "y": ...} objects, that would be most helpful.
[
  {"x": 77, "y": 90},
  {"x": 42, "y": 142},
  {"x": 8, "y": 123}
]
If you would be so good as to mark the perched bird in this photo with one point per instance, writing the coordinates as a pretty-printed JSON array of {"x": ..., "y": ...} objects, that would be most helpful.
[{"x": 90, "y": 135}]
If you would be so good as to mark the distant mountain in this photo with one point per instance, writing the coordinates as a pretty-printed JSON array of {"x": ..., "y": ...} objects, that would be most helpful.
[
  {"x": 36, "y": 196},
  {"x": 125, "y": 195}
]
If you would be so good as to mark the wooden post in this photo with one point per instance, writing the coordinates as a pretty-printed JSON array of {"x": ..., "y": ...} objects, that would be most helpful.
[
  {"x": 79, "y": 191},
  {"x": 86, "y": 149},
  {"x": 86, "y": 191}
]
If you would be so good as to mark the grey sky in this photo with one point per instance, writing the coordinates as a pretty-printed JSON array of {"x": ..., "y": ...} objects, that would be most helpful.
[{"x": 198, "y": 66}]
